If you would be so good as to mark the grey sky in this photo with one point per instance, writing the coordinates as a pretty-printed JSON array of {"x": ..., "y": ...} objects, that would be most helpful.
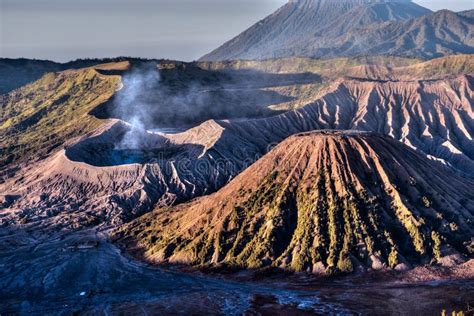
[{"x": 62, "y": 30}]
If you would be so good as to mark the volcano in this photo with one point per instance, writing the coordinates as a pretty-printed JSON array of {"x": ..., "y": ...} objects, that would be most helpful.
[
  {"x": 92, "y": 179},
  {"x": 329, "y": 201},
  {"x": 326, "y": 28}
]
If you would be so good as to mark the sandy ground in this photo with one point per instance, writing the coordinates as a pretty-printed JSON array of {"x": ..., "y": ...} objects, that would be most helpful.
[{"x": 67, "y": 272}]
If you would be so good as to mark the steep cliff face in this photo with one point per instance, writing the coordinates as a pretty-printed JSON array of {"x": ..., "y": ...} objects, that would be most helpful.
[
  {"x": 320, "y": 28},
  {"x": 434, "y": 116},
  {"x": 321, "y": 202}
]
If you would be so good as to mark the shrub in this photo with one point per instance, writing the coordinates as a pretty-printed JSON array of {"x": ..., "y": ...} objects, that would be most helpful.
[
  {"x": 345, "y": 265},
  {"x": 393, "y": 258},
  {"x": 426, "y": 202}
]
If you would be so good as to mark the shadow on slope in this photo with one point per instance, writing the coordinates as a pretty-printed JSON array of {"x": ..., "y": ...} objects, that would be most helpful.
[
  {"x": 184, "y": 94},
  {"x": 125, "y": 145}
]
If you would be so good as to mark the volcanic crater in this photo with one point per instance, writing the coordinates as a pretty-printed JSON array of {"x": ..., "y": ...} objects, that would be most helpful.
[{"x": 124, "y": 144}]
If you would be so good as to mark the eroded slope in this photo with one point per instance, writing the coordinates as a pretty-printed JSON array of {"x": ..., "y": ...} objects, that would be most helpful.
[
  {"x": 98, "y": 179},
  {"x": 320, "y": 202},
  {"x": 434, "y": 116}
]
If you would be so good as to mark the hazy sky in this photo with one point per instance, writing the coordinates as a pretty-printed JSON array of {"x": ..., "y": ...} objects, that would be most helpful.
[{"x": 62, "y": 30}]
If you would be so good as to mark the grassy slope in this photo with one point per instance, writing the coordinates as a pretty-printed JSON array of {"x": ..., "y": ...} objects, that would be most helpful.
[
  {"x": 329, "y": 69},
  {"x": 371, "y": 67},
  {"x": 16, "y": 73},
  {"x": 40, "y": 116},
  {"x": 303, "y": 64},
  {"x": 451, "y": 65},
  {"x": 375, "y": 68}
]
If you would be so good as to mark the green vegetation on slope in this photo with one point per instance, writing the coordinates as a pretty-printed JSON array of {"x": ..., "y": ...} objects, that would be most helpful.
[
  {"x": 333, "y": 67},
  {"x": 43, "y": 115},
  {"x": 371, "y": 68},
  {"x": 325, "y": 205},
  {"x": 303, "y": 94}
]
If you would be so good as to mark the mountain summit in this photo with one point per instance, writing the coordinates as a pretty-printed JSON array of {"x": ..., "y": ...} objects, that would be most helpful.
[
  {"x": 320, "y": 201},
  {"x": 323, "y": 28}
]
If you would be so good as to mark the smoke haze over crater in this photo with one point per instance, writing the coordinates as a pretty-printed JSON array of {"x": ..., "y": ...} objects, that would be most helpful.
[{"x": 131, "y": 105}]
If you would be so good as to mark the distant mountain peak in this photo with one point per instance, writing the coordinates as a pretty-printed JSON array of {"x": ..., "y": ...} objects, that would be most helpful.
[
  {"x": 348, "y": 1},
  {"x": 334, "y": 28}
]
